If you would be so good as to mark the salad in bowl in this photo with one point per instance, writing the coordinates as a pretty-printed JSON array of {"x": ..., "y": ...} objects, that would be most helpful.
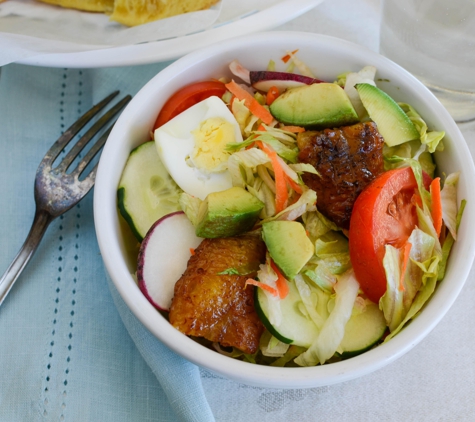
[{"x": 280, "y": 213}]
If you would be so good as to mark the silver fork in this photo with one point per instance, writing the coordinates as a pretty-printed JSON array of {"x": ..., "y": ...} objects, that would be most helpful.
[{"x": 56, "y": 190}]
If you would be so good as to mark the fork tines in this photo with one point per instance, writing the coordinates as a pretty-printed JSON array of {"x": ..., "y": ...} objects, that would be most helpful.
[{"x": 70, "y": 133}]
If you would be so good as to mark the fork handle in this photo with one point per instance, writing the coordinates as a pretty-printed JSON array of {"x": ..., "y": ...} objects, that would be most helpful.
[{"x": 38, "y": 228}]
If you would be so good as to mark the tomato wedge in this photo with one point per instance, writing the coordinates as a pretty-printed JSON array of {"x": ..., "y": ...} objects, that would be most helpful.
[
  {"x": 384, "y": 213},
  {"x": 187, "y": 97}
]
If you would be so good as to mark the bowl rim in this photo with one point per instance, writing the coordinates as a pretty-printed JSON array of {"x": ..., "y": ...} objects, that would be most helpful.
[{"x": 265, "y": 376}]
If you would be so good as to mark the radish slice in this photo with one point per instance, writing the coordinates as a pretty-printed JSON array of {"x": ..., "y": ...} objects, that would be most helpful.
[
  {"x": 263, "y": 80},
  {"x": 163, "y": 257},
  {"x": 240, "y": 71}
]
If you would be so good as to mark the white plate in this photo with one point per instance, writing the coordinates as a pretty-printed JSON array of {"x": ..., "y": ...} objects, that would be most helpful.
[{"x": 169, "y": 49}]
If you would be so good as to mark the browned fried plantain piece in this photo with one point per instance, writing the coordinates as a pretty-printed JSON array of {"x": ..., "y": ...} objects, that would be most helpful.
[
  {"x": 348, "y": 159},
  {"x": 217, "y": 306}
]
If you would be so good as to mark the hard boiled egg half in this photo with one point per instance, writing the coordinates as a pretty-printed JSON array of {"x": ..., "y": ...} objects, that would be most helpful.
[{"x": 192, "y": 147}]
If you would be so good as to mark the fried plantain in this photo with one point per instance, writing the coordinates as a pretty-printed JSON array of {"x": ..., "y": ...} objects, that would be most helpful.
[{"x": 211, "y": 301}]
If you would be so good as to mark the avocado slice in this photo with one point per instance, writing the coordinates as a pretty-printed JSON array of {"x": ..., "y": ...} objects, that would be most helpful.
[
  {"x": 288, "y": 245},
  {"x": 227, "y": 213},
  {"x": 319, "y": 106},
  {"x": 393, "y": 124}
]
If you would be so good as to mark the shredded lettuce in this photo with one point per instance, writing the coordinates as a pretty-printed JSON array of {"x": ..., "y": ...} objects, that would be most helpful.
[
  {"x": 429, "y": 281},
  {"x": 430, "y": 138},
  {"x": 240, "y": 160},
  {"x": 304, "y": 204},
  {"x": 449, "y": 242},
  {"x": 333, "y": 330},
  {"x": 365, "y": 75},
  {"x": 315, "y": 225},
  {"x": 420, "y": 150},
  {"x": 241, "y": 113},
  {"x": 448, "y": 197},
  {"x": 309, "y": 299},
  {"x": 322, "y": 276},
  {"x": 274, "y": 347},
  {"x": 392, "y": 301},
  {"x": 287, "y": 153},
  {"x": 426, "y": 225},
  {"x": 397, "y": 301},
  {"x": 284, "y": 136},
  {"x": 292, "y": 353},
  {"x": 304, "y": 167}
]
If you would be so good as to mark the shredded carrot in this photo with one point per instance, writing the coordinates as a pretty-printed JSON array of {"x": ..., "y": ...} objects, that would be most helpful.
[
  {"x": 192, "y": 251},
  {"x": 272, "y": 94},
  {"x": 251, "y": 146},
  {"x": 281, "y": 282},
  {"x": 261, "y": 128},
  {"x": 287, "y": 57},
  {"x": 293, "y": 129},
  {"x": 281, "y": 193},
  {"x": 250, "y": 102},
  {"x": 263, "y": 286},
  {"x": 405, "y": 260},
  {"x": 436, "y": 210},
  {"x": 294, "y": 185}
]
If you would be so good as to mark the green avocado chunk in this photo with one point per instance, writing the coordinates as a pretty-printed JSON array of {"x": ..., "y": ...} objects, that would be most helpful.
[
  {"x": 227, "y": 213},
  {"x": 319, "y": 106},
  {"x": 393, "y": 124},
  {"x": 288, "y": 245}
]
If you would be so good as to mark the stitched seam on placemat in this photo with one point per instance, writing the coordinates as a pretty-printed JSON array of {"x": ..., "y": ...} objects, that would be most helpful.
[
  {"x": 58, "y": 279},
  {"x": 46, "y": 401}
]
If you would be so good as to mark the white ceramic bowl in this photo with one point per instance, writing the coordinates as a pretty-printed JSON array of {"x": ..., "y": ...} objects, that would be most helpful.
[{"x": 328, "y": 57}]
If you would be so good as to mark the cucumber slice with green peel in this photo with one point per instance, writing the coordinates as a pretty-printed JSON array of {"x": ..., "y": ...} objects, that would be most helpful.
[
  {"x": 146, "y": 191},
  {"x": 295, "y": 328},
  {"x": 363, "y": 331},
  {"x": 393, "y": 124}
]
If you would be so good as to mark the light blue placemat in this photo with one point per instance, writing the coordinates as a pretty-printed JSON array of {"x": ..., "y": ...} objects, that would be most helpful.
[{"x": 64, "y": 351}]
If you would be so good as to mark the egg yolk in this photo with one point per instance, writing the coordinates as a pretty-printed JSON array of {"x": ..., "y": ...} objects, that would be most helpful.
[{"x": 211, "y": 138}]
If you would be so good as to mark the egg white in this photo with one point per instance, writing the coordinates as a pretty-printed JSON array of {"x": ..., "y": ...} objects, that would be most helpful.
[{"x": 175, "y": 143}]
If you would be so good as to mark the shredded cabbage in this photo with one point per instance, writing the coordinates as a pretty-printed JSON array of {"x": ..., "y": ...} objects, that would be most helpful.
[
  {"x": 397, "y": 301},
  {"x": 274, "y": 348},
  {"x": 333, "y": 330},
  {"x": 365, "y": 75},
  {"x": 448, "y": 197},
  {"x": 429, "y": 281},
  {"x": 309, "y": 299},
  {"x": 430, "y": 138},
  {"x": 304, "y": 204}
]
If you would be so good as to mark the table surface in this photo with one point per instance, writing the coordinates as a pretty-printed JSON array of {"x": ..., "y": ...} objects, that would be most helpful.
[{"x": 64, "y": 352}]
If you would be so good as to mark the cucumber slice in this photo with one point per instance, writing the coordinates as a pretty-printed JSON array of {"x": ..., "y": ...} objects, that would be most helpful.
[
  {"x": 393, "y": 124},
  {"x": 295, "y": 327},
  {"x": 146, "y": 191},
  {"x": 363, "y": 331}
]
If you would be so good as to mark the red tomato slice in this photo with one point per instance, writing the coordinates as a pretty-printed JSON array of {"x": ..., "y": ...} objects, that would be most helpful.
[
  {"x": 384, "y": 213},
  {"x": 187, "y": 97}
]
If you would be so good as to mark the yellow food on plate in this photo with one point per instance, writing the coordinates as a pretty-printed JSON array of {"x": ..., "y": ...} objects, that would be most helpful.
[
  {"x": 136, "y": 12},
  {"x": 106, "y": 6}
]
